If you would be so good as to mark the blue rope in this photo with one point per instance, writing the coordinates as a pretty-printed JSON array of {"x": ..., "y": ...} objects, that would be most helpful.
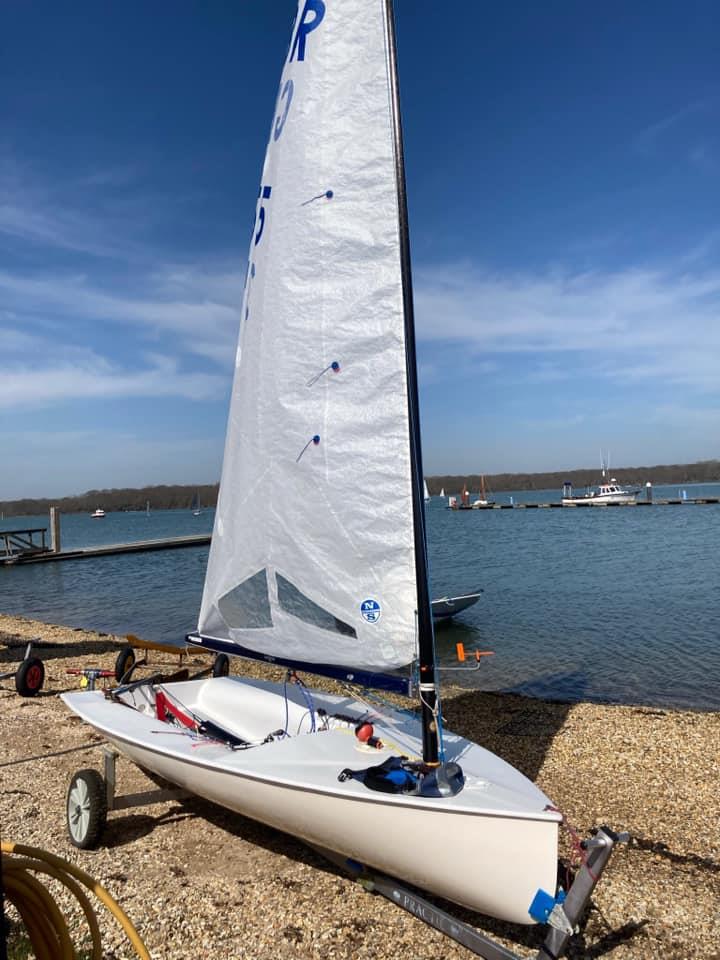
[{"x": 309, "y": 701}]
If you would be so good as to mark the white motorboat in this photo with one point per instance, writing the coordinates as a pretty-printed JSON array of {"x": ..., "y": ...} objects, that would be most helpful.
[
  {"x": 325, "y": 404},
  {"x": 607, "y": 493},
  {"x": 98, "y": 514}
]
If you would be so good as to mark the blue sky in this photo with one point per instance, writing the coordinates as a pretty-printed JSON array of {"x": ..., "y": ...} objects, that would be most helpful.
[{"x": 563, "y": 165}]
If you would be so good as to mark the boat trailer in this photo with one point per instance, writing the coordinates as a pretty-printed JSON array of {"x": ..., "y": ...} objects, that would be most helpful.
[
  {"x": 91, "y": 795},
  {"x": 562, "y": 914},
  {"x": 29, "y": 675}
]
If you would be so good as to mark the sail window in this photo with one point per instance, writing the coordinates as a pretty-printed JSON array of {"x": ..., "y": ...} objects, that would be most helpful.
[
  {"x": 295, "y": 603},
  {"x": 247, "y": 606}
]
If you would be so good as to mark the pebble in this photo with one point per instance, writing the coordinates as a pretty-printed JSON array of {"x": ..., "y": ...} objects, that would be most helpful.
[{"x": 198, "y": 880}]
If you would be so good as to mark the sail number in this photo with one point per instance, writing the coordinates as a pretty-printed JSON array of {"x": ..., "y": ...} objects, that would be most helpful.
[
  {"x": 305, "y": 25},
  {"x": 264, "y": 195}
]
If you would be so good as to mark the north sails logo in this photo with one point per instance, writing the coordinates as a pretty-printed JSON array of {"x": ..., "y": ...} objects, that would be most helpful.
[{"x": 370, "y": 610}]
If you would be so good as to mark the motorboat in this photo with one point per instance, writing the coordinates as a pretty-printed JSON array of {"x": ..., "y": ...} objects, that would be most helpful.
[{"x": 608, "y": 493}]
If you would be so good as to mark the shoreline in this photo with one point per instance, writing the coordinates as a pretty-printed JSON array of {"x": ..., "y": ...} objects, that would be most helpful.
[{"x": 195, "y": 877}]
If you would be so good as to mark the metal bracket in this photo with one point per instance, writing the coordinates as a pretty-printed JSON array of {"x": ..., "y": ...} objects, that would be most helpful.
[{"x": 159, "y": 795}]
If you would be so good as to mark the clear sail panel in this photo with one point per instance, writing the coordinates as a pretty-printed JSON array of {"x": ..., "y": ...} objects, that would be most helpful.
[{"x": 312, "y": 556}]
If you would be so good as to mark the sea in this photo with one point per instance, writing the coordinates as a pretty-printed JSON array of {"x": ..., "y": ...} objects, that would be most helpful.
[{"x": 612, "y": 605}]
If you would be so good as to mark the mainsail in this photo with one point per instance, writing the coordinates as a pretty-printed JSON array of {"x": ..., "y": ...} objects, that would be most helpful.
[{"x": 313, "y": 551}]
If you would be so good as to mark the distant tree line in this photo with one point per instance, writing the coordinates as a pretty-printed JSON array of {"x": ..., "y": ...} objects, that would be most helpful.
[
  {"x": 706, "y": 471},
  {"x": 180, "y": 497},
  {"x": 161, "y": 498}
]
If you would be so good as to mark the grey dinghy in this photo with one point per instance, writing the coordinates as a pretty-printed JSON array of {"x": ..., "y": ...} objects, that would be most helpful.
[
  {"x": 307, "y": 569},
  {"x": 490, "y": 847}
]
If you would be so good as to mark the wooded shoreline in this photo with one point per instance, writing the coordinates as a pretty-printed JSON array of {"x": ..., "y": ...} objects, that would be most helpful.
[{"x": 180, "y": 496}]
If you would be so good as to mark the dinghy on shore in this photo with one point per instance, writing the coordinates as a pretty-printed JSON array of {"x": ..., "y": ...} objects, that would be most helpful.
[{"x": 325, "y": 404}]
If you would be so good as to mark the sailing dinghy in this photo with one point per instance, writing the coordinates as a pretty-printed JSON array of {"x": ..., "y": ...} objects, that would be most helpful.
[{"x": 325, "y": 404}]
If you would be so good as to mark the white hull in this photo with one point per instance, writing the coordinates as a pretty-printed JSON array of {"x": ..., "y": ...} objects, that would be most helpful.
[
  {"x": 489, "y": 848},
  {"x": 449, "y": 606},
  {"x": 600, "y": 500},
  {"x": 608, "y": 493}
]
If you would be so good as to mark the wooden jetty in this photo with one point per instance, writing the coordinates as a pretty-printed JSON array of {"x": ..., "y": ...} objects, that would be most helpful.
[
  {"x": 43, "y": 555},
  {"x": 23, "y": 543}
]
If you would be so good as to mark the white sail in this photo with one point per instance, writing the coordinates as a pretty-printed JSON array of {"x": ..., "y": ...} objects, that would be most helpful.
[
  {"x": 305, "y": 563},
  {"x": 426, "y": 492}
]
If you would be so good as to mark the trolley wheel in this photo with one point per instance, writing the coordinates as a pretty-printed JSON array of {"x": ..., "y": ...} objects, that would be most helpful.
[
  {"x": 221, "y": 665},
  {"x": 29, "y": 677},
  {"x": 125, "y": 661},
  {"x": 86, "y": 808}
]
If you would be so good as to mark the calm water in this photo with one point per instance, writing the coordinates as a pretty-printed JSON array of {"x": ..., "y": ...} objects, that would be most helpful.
[{"x": 619, "y": 605}]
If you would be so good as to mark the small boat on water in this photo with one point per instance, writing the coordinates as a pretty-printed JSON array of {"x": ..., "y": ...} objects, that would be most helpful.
[
  {"x": 338, "y": 588},
  {"x": 483, "y": 499},
  {"x": 608, "y": 493},
  {"x": 195, "y": 505},
  {"x": 446, "y": 607},
  {"x": 98, "y": 514},
  {"x": 426, "y": 492}
]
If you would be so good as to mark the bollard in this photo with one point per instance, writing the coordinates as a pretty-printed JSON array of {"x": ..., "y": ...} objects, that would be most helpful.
[{"x": 54, "y": 529}]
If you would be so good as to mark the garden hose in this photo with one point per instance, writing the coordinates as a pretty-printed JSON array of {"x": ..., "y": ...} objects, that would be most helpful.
[{"x": 45, "y": 924}]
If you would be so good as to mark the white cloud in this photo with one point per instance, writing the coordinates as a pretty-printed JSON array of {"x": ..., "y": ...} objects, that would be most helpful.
[
  {"x": 630, "y": 324},
  {"x": 27, "y": 388}
]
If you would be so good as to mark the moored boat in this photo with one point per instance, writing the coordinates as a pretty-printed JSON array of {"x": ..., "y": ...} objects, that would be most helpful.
[
  {"x": 445, "y": 607},
  {"x": 608, "y": 493},
  {"x": 483, "y": 499}
]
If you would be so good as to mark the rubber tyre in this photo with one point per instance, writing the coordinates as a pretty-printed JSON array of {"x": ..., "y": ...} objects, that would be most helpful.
[
  {"x": 29, "y": 677},
  {"x": 221, "y": 665},
  {"x": 125, "y": 660},
  {"x": 86, "y": 809}
]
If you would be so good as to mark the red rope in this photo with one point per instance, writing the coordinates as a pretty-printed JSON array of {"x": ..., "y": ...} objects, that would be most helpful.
[{"x": 576, "y": 844}]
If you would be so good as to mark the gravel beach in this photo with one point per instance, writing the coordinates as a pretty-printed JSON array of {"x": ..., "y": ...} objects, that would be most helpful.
[{"x": 197, "y": 880}]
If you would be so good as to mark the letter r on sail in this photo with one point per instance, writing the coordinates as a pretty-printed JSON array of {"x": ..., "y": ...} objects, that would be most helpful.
[{"x": 306, "y": 26}]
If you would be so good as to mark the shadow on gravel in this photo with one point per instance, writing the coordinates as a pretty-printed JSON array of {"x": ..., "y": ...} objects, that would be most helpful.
[
  {"x": 517, "y": 728},
  {"x": 660, "y": 849},
  {"x": 14, "y": 649},
  {"x": 127, "y": 827},
  {"x": 581, "y": 950}
]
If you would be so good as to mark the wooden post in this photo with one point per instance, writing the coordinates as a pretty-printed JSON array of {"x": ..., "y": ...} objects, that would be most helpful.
[{"x": 54, "y": 529}]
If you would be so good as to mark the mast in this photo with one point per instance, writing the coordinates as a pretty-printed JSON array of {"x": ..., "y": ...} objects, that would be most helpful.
[{"x": 426, "y": 644}]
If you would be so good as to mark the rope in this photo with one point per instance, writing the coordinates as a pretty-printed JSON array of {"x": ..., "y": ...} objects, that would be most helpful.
[
  {"x": 55, "y": 753},
  {"x": 308, "y": 700},
  {"x": 45, "y": 924},
  {"x": 578, "y": 852}
]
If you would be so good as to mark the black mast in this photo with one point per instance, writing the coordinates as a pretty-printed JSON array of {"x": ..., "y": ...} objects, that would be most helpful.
[{"x": 428, "y": 687}]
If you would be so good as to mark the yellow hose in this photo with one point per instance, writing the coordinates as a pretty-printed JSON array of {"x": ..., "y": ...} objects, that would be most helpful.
[{"x": 43, "y": 921}]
